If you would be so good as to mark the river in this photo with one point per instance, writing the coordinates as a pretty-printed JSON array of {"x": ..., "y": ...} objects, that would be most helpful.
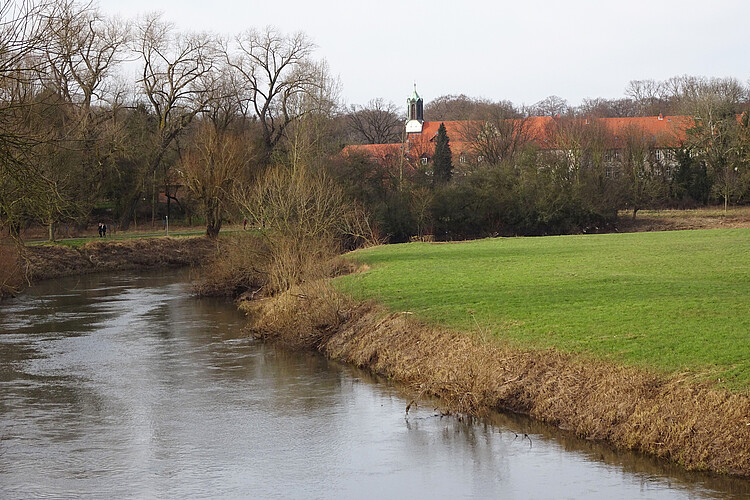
[{"x": 125, "y": 386}]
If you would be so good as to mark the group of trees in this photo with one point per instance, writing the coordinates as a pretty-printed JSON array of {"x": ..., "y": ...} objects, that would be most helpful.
[
  {"x": 510, "y": 183},
  {"x": 680, "y": 95},
  {"x": 206, "y": 117},
  {"x": 204, "y": 114}
]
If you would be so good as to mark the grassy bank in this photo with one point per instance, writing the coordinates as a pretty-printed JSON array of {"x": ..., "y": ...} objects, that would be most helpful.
[
  {"x": 621, "y": 338},
  {"x": 639, "y": 340},
  {"x": 668, "y": 302},
  {"x": 695, "y": 424}
]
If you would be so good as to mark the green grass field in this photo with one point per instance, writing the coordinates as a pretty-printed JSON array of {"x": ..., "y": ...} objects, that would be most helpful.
[{"x": 665, "y": 301}]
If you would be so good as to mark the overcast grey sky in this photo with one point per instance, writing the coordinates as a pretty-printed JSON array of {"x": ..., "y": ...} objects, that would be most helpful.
[{"x": 521, "y": 51}]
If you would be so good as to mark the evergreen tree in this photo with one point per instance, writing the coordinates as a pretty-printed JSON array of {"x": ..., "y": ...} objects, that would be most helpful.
[{"x": 442, "y": 166}]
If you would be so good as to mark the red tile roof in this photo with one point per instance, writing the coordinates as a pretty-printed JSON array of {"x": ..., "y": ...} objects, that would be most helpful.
[{"x": 665, "y": 131}]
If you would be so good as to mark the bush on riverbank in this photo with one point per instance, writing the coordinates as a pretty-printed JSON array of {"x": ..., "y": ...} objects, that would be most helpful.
[{"x": 306, "y": 223}]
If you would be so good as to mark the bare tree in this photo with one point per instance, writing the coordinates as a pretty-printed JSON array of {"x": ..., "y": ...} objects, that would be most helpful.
[
  {"x": 274, "y": 70},
  {"x": 23, "y": 38},
  {"x": 310, "y": 139},
  {"x": 717, "y": 136},
  {"x": 84, "y": 49},
  {"x": 176, "y": 78},
  {"x": 462, "y": 107},
  {"x": 551, "y": 106},
  {"x": 214, "y": 162},
  {"x": 641, "y": 184},
  {"x": 308, "y": 216},
  {"x": 581, "y": 143},
  {"x": 378, "y": 122},
  {"x": 497, "y": 139},
  {"x": 607, "y": 108},
  {"x": 649, "y": 96}
]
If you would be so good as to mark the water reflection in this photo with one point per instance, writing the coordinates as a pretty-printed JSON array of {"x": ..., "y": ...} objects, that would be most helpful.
[{"x": 125, "y": 386}]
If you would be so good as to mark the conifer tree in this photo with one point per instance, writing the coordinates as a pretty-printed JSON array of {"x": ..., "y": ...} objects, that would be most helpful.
[{"x": 442, "y": 159}]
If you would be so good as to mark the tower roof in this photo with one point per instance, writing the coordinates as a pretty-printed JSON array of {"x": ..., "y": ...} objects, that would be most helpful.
[{"x": 414, "y": 95}]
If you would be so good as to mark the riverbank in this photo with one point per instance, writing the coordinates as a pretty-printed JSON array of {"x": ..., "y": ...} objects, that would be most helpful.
[
  {"x": 55, "y": 261},
  {"x": 638, "y": 340},
  {"x": 669, "y": 301},
  {"x": 694, "y": 424}
]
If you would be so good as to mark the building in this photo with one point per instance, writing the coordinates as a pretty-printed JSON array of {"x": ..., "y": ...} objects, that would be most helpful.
[{"x": 476, "y": 142}]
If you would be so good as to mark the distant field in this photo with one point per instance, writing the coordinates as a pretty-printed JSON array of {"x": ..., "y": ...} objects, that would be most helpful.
[{"x": 676, "y": 301}]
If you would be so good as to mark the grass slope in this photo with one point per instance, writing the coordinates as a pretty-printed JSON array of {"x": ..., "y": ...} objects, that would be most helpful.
[{"x": 666, "y": 301}]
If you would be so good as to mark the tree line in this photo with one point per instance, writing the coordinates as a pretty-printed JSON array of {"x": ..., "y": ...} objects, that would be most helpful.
[
  {"x": 509, "y": 183},
  {"x": 208, "y": 118},
  {"x": 203, "y": 114}
]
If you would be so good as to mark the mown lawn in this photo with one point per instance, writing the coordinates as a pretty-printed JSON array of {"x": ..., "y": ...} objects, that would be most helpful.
[{"x": 666, "y": 301}]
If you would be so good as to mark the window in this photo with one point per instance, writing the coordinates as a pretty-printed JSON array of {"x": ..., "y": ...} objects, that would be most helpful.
[
  {"x": 462, "y": 158},
  {"x": 424, "y": 160},
  {"x": 480, "y": 159}
]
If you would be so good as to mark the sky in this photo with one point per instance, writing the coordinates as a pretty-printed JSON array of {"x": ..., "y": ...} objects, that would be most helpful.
[{"x": 520, "y": 51}]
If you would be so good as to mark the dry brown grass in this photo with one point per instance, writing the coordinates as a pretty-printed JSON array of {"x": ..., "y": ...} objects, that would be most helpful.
[
  {"x": 238, "y": 268},
  {"x": 675, "y": 220},
  {"x": 695, "y": 425},
  {"x": 250, "y": 265}
]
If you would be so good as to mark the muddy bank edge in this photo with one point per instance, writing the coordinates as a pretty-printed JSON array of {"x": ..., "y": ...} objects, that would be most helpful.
[{"x": 55, "y": 261}]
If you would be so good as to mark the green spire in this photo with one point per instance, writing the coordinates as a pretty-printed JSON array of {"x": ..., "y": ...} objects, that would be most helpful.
[{"x": 415, "y": 96}]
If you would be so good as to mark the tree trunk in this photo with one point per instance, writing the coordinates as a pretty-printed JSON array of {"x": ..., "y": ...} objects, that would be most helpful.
[
  {"x": 213, "y": 222},
  {"x": 51, "y": 231},
  {"x": 127, "y": 214}
]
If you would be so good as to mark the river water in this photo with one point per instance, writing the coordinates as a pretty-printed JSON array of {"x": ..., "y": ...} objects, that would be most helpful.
[{"x": 127, "y": 387}]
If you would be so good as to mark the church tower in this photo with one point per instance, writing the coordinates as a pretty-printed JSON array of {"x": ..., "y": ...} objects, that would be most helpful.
[{"x": 414, "y": 113}]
